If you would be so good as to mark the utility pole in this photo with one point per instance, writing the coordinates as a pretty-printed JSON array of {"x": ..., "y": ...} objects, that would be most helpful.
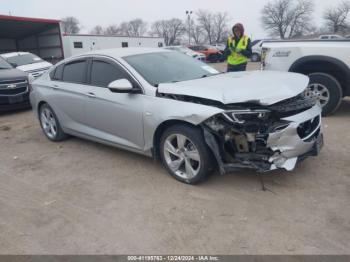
[{"x": 189, "y": 13}]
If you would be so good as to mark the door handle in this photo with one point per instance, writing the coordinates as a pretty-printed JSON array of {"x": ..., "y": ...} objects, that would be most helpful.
[
  {"x": 55, "y": 87},
  {"x": 91, "y": 95}
]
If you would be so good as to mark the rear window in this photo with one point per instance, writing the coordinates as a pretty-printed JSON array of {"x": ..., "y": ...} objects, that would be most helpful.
[{"x": 75, "y": 72}]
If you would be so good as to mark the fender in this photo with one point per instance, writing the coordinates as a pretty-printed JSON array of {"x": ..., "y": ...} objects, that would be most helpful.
[{"x": 345, "y": 70}]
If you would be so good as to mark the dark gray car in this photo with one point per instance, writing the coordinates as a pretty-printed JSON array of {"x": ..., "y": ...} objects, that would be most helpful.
[{"x": 14, "y": 87}]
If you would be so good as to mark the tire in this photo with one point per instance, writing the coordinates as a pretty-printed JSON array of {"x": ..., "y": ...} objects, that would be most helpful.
[
  {"x": 50, "y": 124},
  {"x": 255, "y": 58},
  {"x": 327, "y": 90},
  {"x": 190, "y": 163}
]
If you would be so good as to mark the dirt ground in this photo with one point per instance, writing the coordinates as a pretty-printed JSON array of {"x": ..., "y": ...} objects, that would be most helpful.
[{"x": 79, "y": 197}]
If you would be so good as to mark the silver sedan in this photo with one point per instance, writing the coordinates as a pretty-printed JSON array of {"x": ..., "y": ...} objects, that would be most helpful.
[{"x": 169, "y": 106}]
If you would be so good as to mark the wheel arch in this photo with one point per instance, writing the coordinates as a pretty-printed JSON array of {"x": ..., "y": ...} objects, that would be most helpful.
[
  {"x": 324, "y": 64},
  {"x": 40, "y": 104},
  {"x": 160, "y": 130}
]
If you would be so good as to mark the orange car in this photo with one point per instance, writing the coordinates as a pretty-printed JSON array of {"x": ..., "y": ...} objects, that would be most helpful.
[{"x": 211, "y": 54}]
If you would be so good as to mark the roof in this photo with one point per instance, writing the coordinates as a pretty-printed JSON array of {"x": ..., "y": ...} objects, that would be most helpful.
[
  {"x": 29, "y": 19},
  {"x": 92, "y": 35},
  {"x": 20, "y": 27},
  {"x": 122, "y": 52}
]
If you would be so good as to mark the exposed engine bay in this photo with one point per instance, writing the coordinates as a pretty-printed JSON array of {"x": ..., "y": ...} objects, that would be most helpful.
[{"x": 263, "y": 138}]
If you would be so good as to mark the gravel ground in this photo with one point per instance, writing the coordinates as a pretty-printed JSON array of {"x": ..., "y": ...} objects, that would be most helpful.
[{"x": 79, "y": 197}]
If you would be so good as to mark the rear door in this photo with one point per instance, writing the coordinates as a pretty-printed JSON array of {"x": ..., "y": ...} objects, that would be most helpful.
[
  {"x": 69, "y": 93},
  {"x": 114, "y": 117}
]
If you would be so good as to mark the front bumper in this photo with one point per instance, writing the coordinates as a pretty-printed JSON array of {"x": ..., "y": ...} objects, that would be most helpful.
[
  {"x": 9, "y": 103},
  {"x": 289, "y": 146},
  {"x": 301, "y": 137}
]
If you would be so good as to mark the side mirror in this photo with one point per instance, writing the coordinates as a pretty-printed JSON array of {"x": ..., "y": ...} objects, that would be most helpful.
[
  {"x": 14, "y": 65},
  {"x": 121, "y": 86}
]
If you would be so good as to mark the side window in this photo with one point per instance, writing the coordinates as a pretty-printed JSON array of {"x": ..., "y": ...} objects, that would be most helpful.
[
  {"x": 160, "y": 44},
  {"x": 125, "y": 44},
  {"x": 75, "y": 72},
  {"x": 57, "y": 73},
  {"x": 103, "y": 73}
]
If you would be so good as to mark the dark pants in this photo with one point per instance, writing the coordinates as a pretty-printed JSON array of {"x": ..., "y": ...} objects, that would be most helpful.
[{"x": 236, "y": 68}]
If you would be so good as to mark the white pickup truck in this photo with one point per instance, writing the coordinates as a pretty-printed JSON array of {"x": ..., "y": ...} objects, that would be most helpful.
[{"x": 326, "y": 62}]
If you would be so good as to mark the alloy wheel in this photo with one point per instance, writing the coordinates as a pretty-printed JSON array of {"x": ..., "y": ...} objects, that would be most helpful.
[
  {"x": 182, "y": 156},
  {"x": 49, "y": 123}
]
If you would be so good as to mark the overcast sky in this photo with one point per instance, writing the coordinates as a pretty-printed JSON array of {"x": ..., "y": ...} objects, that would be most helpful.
[{"x": 106, "y": 12}]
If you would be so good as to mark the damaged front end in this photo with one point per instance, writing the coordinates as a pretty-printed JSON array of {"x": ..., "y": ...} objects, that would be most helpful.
[{"x": 265, "y": 138}]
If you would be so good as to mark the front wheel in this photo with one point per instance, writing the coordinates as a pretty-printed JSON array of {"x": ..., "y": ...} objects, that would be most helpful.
[
  {"x": 327, "y": 90},
  {"x": 185, "y": 155}
]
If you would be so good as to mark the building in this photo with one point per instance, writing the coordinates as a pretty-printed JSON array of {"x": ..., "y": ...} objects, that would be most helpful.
[
  {"x": 43, "y": 37},
  {"x": 39, "y": 36},
  {"x": 77, "y": 44}
]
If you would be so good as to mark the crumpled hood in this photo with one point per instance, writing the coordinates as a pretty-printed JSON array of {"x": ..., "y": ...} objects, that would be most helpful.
[{"x": 264, "y": 87}]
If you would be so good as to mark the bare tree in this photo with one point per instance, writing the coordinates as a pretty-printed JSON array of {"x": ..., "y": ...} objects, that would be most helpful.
[
  {"x": 214, "y": 25},
  {"x": 70, "y": 25},
  {"x": 287, "y": 19},
  {"x": 97, "y": 30},
  {"x": 205, "y": 20},
  {"x": 197, "y": 33},
  {"x": 136, "y": 27},
  {"x": 170, "y": 30},
  {"x": 220, "y": 27},
  {"x": 112, "y": 30},
  {"x": 336, "y": 17}
]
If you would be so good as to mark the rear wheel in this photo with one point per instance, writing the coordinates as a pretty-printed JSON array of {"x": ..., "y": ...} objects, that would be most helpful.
[
  {"x": 50, "y": 125},
  {"x": 185, "y": 155},
  {"x": 327, "y": 90}
]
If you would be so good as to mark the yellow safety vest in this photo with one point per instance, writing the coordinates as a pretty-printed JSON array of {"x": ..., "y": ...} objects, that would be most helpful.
[{"x": 235, "y": 58}]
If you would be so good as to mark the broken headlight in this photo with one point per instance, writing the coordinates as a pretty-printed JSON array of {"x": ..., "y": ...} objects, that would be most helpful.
[{"x": 243, "y": 116}]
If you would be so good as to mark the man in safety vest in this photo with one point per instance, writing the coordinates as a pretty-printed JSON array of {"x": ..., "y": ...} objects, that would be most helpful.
[{"x": 238, "y": 49}]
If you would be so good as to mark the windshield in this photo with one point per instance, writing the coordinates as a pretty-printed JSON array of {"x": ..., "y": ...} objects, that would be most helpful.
[
  {"x": 4, "y": 64},
  {"x": 25, "y": 59},
  {"x": 169, "y": 67}
]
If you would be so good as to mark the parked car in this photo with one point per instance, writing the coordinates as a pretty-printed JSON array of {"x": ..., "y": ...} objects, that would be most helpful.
[
  {"x": 327, "y": 63},
  {"x": 330, "y": 37},
  {"x": 27, "y": 62},
  {"x": 256, "y": 50},
  {"x": 14, "y": 85},
  {"x": 212, "y": 54},
  {"x": 220, "y": 47},
  {"x": 167, "y": 105},
  {"x": 187, "y": 51}
]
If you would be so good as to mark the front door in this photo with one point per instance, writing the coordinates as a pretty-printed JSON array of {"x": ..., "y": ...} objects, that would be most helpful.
[{"x": 113, "y": 117}]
